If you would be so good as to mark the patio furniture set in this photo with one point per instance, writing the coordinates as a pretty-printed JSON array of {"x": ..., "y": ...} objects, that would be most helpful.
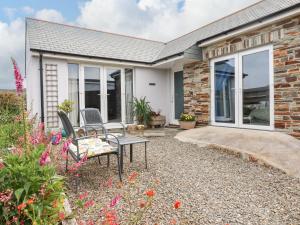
[{"x": 101, "y": 142}]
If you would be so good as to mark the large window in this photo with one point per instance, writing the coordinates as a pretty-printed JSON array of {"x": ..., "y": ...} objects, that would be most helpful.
[
  {"x": 242, "y": 94},
  {"x": 73, "y": 89}
]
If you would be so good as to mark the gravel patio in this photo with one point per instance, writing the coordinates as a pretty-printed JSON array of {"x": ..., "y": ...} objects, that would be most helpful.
[{"x": 213, "y": 186}]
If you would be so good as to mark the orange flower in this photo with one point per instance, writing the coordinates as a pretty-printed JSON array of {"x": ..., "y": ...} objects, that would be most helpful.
[
  {"x": 61, "y": 215},
  {"x": 177, "y": 204},
  {"x": 173, "y": 221},
  {"x": 142, "y": 204},
  {"x": 30, "y": 201},
  {"x": 132, "y": 177},
  {"x": 150, "y": 193},
  {"x": 21, "y": 206}
]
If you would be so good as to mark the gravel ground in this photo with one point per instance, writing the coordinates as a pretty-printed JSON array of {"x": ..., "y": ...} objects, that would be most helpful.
[{"x": 214, "y": 187}]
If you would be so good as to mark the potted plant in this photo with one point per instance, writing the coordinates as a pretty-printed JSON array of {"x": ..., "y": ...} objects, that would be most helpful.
[
  {"x": 66, "y": 106},
  {"x": 141, "y": 111},
  {"x": 156, "y": 119},
  {"x": 187, "y": 121}
]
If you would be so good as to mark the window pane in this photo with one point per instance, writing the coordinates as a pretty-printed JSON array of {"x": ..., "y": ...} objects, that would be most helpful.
[
  {"x": 73, "y": 89},
  {"x": 129, "y": 95},
  {"x": 256, "y": 89},
  {"x": 114, "y": 95},
  {"x": 92, "y": 87},
  {"x": 225, "y": 91}
]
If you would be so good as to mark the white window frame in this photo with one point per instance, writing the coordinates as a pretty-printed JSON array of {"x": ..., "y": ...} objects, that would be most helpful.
[{"x": 239, "y": 90}]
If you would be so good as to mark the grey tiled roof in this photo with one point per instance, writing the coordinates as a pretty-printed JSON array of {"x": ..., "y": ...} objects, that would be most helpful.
[
  {"x": 61, "y": 38},
  {"x": 74, "y": 40},
  {"x": 247, "y": 15}
]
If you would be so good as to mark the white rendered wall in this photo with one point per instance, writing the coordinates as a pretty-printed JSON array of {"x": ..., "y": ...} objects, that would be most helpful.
[
  {"x": 158, "y": 95},
  {"x": 33, "y": 93}
]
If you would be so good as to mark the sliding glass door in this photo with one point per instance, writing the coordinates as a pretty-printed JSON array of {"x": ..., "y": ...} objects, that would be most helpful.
[
  {"x": 108, "y": 89},
  {"x": 242, "y": 90}
]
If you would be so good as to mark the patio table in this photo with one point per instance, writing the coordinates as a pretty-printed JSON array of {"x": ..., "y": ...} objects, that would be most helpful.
[{"x": 130, "y": 140}]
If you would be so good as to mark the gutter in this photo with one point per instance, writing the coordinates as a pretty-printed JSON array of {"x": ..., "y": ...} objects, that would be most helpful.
[
  {"x": 87, "y": 56},
  {"x": 105, "y": 59},
  {"x": 42, "y": 87},
  {"x": 258, "y": 21}
]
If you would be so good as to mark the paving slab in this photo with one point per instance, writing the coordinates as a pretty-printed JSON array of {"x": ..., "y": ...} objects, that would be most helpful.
[{"x": 275, "y": 149}]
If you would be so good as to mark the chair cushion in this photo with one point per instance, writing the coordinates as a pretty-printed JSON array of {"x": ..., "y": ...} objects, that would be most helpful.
[{"x": 92, "y": 146}]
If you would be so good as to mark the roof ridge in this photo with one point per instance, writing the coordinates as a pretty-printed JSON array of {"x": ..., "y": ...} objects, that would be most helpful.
[
  {"x": 208, "y": 24},
  {"x": 85, "y": 28}
]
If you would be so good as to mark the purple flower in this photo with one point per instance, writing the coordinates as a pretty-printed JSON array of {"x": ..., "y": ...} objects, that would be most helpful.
[{"x": 18, "y": 77}]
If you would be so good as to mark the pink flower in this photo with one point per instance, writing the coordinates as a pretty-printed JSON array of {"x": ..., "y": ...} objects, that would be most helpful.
[
  {"x": 115, "y": 201},
  {"x": 45, "y": 158},
  {"x": 1, "y": 165},
  {"x": 83, "y": 196},
  {"x": 18, "y": 77},
  {"x": 6, "y": 195},
  {"x": 89, "y": 203}
]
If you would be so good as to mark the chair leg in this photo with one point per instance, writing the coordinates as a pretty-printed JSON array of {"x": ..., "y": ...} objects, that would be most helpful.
[
  {"x": 119, "y": 167},
  {"x": 108, "y": 160},
  {"x": 99, "y": 160}
]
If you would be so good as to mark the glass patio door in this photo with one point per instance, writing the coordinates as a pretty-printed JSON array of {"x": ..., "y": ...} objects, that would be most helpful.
[
  {"x": 108, "y": 89},
  {"x": 242, "y": 90},
  {"x": 113, "y": 95},
  {"x": 255, "y": 83}
]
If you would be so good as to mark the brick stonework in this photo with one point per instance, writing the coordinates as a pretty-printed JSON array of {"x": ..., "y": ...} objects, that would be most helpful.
[
  {"x": 286, "y": 74},
  {"x": 287, "y": 79},
  {"x": 197, "y": 91}
]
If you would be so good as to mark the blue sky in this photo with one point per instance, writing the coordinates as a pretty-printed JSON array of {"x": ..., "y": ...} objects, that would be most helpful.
[
  {"x": 153, "y": 19},
  {"x": 69, "y": 8}
]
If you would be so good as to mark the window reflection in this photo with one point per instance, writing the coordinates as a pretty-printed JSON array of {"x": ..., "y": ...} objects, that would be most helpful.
[{"x": 256, "y": 89}]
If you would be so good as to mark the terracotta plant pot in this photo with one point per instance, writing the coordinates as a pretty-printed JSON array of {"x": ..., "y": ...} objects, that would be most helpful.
[
  {"x": 187, "y": 125},
  {"x": 157, "y": 121}
]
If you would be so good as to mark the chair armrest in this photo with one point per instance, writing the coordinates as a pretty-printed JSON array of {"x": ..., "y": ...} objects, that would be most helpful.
[
  {"x": 116, "y": 123},
  {"x": 116, "y": 138}
]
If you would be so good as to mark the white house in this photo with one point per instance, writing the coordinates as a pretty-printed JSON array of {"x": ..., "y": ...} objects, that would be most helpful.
[{"x": 240, "y": 71}]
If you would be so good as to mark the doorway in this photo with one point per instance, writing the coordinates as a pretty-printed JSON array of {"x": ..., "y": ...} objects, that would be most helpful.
[{"x": 242, "y": 92}]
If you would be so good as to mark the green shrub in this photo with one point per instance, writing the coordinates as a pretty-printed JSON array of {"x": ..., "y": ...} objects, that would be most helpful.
[
  {"x": 10, "y": 106},
  {"x": 9, "y": 133},
  {"x": 29, "y": 192},
  {"x": 66, "y": 106},
  {"x": 142, "y": 110}
]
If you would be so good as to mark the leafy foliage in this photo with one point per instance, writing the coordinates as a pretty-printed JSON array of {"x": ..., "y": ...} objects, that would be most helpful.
[
  {"x": 66, "y": 106},
  {"x": 10, "y": 106},
  {"x": 187, "y": 117},
  {"x": 142, "y": 110},
  {"x": 36, "y": 191}
]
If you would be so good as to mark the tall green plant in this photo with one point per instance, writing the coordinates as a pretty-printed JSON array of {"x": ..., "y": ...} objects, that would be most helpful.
[{"x": 142, "y": 110}]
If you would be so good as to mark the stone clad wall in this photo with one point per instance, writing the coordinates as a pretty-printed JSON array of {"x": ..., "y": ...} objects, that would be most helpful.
[
  {"x": 285, "y": 37},
  {"x": 287, "y": 79},
  {"x": 197, "y": 91}
]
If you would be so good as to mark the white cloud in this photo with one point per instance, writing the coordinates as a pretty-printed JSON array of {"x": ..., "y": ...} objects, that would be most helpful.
[
  {"x": 155, "y": 19},
  {"x": 50, "y": 15},
  {"x": 11, "y": 45}
]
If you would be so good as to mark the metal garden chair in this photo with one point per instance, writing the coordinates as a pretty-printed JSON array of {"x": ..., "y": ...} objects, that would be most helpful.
[
  {"x": 88, "y": 146},
  {"x": 93, "y": 121}
]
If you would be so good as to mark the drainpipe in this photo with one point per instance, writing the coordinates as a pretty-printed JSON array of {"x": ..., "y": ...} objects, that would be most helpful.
[{"x": 42, "y": 88}]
